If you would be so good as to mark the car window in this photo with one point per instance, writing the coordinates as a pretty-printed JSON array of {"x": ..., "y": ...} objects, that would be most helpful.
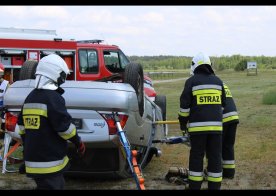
[
  {"x": 88, "y": 61},
  {"x": 124, "y": 60},
  {"x": 112, "y": 61}
]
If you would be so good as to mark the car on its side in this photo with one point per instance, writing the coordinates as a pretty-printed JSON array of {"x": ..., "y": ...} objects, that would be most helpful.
[
  {"x": 102, "y": 80},
  {"x": 92, "y": 105}
]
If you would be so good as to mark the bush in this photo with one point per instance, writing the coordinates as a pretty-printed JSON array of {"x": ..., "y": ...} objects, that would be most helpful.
[
  {"x": 269, "y": 98},
  {"x": 221, "y": 67},
  {"x": 241, "y": 66}
]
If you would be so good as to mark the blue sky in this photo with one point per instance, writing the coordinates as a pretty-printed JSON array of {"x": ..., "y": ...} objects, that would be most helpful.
[{"x": 157, "y": 30}]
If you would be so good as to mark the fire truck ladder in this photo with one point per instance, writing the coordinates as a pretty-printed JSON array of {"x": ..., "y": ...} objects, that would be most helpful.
[{"x": 130, "y": 155}]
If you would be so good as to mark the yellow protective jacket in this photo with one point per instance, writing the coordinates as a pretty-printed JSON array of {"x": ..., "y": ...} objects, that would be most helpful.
[
  {"x": 201, "y": 102},
  {"x": 45, "y": 126},
  {"x": 230, "y": 114}
]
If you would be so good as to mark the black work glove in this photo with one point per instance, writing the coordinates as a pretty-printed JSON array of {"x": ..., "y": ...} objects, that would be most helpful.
[
  {"x": 81, "y": 149},
  {"x": 183, "y": 128},
  {"x": 183, "y": 124}
]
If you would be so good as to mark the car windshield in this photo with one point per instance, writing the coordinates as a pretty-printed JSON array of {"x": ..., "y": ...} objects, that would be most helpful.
[{"x": 115, "y": 61}]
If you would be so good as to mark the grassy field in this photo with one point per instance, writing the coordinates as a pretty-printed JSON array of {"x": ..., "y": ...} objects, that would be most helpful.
[
  {"x": 256, "y": 133},
  {"x": 255, "y": 141}
]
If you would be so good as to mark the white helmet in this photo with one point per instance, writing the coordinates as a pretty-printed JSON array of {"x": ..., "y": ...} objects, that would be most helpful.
[
  {"x": 53, "y": 67},
  {"x": 200, "y": 59}
]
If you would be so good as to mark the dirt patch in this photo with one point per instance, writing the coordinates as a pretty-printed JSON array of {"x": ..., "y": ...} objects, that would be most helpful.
[
  {"x": 249, "y": 175},
  {"x": 254, "y": 174}
]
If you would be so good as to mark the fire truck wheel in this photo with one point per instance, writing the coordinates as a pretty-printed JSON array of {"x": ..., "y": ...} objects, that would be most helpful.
[
  {"x": 134, "y": 76},
  {"x": 28, "y": 70}
]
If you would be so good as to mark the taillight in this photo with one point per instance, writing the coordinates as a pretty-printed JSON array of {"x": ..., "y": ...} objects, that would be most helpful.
[
  {"x": 111, "y": 123},
  {"x": 10, "y": 121}
]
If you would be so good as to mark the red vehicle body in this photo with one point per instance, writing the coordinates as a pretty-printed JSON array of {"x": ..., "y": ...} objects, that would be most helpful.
[{"x": 87, "y": 60}]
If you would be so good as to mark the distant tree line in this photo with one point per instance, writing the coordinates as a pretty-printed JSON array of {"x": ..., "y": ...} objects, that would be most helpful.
[{"x": 236, "y": 62}]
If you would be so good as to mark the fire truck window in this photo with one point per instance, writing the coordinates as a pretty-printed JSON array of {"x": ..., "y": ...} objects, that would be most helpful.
[
  {"x": 93, "y": 66},
  {"x": 88, "y": 61},
  {"x": 83, "y": 61}
]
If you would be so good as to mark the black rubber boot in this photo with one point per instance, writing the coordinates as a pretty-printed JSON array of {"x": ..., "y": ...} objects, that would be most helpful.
[
  {"x": 195, "y": 185},
  {"x": 228, "y": 173},
  {"x": 22, "y": 169},
  {"x": 214, "y": 185}
]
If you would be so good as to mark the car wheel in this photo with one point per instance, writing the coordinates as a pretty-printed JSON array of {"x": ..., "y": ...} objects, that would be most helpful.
[
  {"x": 135, "y": 77},
  {"x": 143, "y": 156},
  {"x": 142, "y": 160},
  {"x": 144, "y": 153},
  {"x": 27, "y": 70},
  {"x": 161, "y": 101},
  {"x": 150, "y": 155}
]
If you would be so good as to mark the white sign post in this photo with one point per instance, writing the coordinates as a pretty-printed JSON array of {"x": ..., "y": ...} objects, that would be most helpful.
[{"x": 251, "y": 68}]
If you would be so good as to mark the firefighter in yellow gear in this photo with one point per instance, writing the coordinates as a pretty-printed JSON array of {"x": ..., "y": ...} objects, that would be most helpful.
[
  {"x": 45, "y": 126},
  {"x": 230, "y": 122},
  {"x": 201, "y": 104}
]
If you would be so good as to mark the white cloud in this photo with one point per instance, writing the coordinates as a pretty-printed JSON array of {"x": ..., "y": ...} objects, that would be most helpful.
[
  {"x": 151, "y": 30},
  {"x": 13, "y": 12},
  {"x": 49, "y": 12},
  {"x": 213, "y": 16},
  {"x": 126, "y": 30},
  {"x": 151, "y": 17},
  {"x": 100, "y": 16}
]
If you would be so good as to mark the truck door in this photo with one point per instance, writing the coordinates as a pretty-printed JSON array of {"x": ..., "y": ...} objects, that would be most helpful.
[{"x": 88, "y": 62}]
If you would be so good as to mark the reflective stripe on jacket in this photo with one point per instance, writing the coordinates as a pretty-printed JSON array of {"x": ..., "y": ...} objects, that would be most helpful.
[
  {"x": 201, "y": 103},
  {"x": 230, "y": 113},
  {"x": 46, "y": 126}
]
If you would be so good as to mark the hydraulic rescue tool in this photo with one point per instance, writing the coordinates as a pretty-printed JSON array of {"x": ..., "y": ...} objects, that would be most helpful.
[
  {"x": 174, "y": 139},
  {"x": 130, "y": 155}
]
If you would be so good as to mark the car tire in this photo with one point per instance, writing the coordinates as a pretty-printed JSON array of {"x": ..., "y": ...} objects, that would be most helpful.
[
  {"x": 27, "y": 70},
  {"x": 142, "y": 159},
  {"x": 161, "y": 101},
  {"x": 149, "y": 157},
  {"x": 134, "y": 76}
]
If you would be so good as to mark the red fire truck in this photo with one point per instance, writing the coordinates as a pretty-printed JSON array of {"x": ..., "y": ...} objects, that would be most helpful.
[
  {"x": 86, "y": 59},
  {"x": 82, "y": 57}
]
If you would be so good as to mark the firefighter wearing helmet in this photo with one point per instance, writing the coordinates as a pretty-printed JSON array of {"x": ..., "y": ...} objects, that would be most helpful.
[
  {"x": 201, "y": 104},
  {"x": 45, "y": 126}
]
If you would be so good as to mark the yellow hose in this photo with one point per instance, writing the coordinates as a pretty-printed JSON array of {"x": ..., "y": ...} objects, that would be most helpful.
[{"x": 167, "y": 122}]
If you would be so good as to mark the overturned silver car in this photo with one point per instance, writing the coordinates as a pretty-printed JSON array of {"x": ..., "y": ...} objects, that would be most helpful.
[{"x": 92, "y": 104}]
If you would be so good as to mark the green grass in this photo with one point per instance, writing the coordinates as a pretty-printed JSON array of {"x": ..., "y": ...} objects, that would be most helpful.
[
  {"x": 255, "y": 147},
  {"x": 269, "y": 97},
  {"x": 167, "y": 74},
  {"x": 256, "y": 134},
  {"x": 246, "y": 90}
]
